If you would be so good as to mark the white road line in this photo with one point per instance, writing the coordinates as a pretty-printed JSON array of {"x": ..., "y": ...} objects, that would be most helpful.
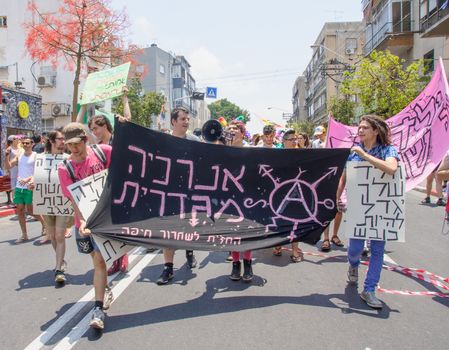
[
  {"x": 50, "y": 332},
  {"x": 389, "y": 260},
  {"x": 77, "y": 332}
]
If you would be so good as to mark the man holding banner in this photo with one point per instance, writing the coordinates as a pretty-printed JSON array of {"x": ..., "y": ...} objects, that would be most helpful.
[
  {"x": 83, "y": 162},
  {"x": 376, "y": 149}
]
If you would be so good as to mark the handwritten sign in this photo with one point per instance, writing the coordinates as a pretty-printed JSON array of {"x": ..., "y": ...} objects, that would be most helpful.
[
  {"x": 105, "y": 84},
  {"x": 47, "y": 195},
  {"x": 376, "y": 203},
  {"x": 86, "y": 194},
  {"x": 171, "y": 192}
]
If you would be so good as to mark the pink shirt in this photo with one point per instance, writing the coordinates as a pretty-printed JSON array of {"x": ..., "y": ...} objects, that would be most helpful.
[{"x": 91, "y": 165}]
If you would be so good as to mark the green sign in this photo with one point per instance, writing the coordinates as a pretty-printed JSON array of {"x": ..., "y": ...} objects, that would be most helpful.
[{"x": 106, "y": 84}]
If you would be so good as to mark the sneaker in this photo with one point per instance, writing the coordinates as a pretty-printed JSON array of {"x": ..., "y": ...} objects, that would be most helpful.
[
  {"x": 108, "y": 298},
  {"x": 247, "y": 271},
  {"x": 426, "y": 200},
  {"x": 59, "y": 276},
  {"x": 441, "y": 202},
  {"x": 229, "y": 257},
  {"x": 124, "y": 263},
  {"x": 115, "y": 267},
  {"x": 236, "y": 269},
  {"x": 167, "y": 275},
  {"x": 371, "y": 299},
  {"x": 191, "y": 261},
  {"x": 97, "y": 320},
  {"x": 353, "y": 275}
]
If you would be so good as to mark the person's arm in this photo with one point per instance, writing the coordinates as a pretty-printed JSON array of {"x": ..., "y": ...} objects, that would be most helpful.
[
  {"x": 7, "y": 161},
  {"x": 388, "y": 166},
  {"x": 126, "y": 117}
]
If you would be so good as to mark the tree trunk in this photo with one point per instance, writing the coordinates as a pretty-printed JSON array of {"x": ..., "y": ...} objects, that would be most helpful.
[{"x": 76, "y": 84}]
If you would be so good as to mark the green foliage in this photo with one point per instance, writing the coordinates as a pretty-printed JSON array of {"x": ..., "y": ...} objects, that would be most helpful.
[
  {"x": 142, "y": 106},
  {"x": 228, "y": 110},
  {"x": 383, "y": 85},
  {"x": 306, "y": 126},
  {"x": 342, "y": 109}
]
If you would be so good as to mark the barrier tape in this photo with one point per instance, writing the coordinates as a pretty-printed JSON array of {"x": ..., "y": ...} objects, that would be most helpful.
[{"x": 420, "y": 274}]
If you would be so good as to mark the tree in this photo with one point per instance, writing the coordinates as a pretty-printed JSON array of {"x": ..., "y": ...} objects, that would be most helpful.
[
  {"x": 383, "y": 83},
  {"x": 228, "y": 110},
  {"x": 82, "y": 32},
  {"x": 342, "y": 109},
  {"x": 306, "y": 126},
  {"x": 142, "y": 106}
]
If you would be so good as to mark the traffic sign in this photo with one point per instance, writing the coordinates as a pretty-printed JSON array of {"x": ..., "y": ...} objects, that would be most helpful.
[{"x": 211, "y": 92}]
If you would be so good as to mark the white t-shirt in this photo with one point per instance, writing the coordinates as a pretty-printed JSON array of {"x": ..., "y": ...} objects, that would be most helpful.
[{"x": 25, "y": 168}]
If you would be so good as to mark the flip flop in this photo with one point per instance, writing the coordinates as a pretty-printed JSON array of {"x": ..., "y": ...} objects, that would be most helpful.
[
  {"x": 20, "y": 240},
  {"x": 42, "y": 242},
  {"x": 335, "y": 240},
  {"x": 326, "y": 246}
]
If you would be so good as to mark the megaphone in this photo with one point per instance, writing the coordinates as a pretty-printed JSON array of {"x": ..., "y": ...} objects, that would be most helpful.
[{"x": 212, "y": 130}]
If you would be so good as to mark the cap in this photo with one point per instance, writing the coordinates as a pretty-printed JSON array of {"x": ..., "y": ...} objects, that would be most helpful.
[
  {"x": 319, "y": 130},
  {"x": 74, "y": 133},
  {"x": 11, "y": 137}
]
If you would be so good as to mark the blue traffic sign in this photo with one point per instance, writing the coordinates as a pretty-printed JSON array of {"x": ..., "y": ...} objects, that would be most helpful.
[{"x": 211, "y": 92}]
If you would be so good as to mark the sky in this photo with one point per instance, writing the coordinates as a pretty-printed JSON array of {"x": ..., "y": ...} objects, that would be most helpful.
[{"x": 252, "y": 51}]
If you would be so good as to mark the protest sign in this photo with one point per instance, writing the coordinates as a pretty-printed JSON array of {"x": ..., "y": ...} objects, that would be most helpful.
[
  {"x": 105, "y": 84},
  {"x": 171, "y": 192},
  {"x": 420, "y": 131},
  {"x": 47, "y": 194},
  {"x": 376, "y": 203},
  {"x": 86, "y": 194}
]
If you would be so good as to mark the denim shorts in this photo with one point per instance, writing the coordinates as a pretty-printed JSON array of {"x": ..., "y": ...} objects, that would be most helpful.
[{"x": 85, "y": 244}]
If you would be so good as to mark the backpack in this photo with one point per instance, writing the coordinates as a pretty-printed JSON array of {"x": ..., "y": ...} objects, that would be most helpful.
[{"x": 98, "y": 152}]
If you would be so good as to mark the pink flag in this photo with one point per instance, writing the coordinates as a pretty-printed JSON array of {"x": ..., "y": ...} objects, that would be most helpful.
[{"x": 420, "y": 131}]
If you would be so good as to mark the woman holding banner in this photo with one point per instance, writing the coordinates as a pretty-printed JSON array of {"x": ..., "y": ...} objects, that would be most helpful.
[
  {"x": 375, "y": 147},
  {"x": 57, "y": 225}
]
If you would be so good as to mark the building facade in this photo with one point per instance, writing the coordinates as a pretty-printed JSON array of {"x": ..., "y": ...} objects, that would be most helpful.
[
  {"x": 170, "y": 75},
  {"x": 55, "y": 85},
  {"x": 335, "y": 51},
  {"x": 410, "y": 29},
  {"x": 298, "y": 100}
]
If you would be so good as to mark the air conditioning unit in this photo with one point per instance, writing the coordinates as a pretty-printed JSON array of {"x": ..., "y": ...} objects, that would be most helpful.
[
  {"x": 60, "y": 109},
  {"x": 46, "y": 81},
  {"x": 350, "y": 51}
]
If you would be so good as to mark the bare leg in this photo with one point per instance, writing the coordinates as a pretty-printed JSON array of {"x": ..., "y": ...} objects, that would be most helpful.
[
  {"x": 169, "y": 255},
  {"x": 22, "y": 220},
  {"x": 39, "y": 218},
  {"x": 100, "y": 275}
]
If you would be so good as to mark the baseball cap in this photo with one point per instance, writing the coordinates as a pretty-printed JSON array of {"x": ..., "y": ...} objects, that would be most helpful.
[
  {"x": 74, "y": 133},
  {"x": 319, "y": 130}
]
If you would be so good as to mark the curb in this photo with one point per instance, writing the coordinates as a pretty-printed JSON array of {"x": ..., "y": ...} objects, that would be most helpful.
[{"x": 7, "y": 212}]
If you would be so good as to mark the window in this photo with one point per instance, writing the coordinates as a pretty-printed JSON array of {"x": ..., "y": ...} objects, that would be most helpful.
[
  {"x": 429, "y": 61},
  {"x": 162, "y": 69},
  {"x": 3, "y": 21},
  {"x": 351, "y": 44},
  {"x": 48, "y": 124}
]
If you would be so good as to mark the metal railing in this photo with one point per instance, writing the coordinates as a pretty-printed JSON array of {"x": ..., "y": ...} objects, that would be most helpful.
[
  {"x": 404, "y": 26},
  {"x": 428, "y": 21}
]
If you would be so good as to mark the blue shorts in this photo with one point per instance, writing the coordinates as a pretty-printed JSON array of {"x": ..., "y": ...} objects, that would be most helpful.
[{"x": 85, "y": 244}]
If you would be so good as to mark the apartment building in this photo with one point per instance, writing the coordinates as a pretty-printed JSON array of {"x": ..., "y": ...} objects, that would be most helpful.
[
  {"x": 298, "y": 100},
  {"x": 410, "y": 29},
  {"x": 170, "y": 75},
  {"x": 335, "y": 50},
  {"x": 17, "y": 69}
]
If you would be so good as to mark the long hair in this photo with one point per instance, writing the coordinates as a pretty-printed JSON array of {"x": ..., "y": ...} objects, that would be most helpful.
[
  {"x": 377, "y": 123},
  {"x": 51, "y": 138},
  {"x": 306, "y": 139}
]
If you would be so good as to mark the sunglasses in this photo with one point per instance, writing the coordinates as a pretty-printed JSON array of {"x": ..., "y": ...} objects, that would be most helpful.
[
  {"x": 292, "y": 139},
  {"x": 26, "y": 143}
]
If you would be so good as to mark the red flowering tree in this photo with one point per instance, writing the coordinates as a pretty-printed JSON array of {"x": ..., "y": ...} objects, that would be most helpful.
[{"x": 82, "y": 33}]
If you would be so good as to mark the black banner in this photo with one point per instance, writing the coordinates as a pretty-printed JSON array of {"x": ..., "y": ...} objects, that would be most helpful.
[{"x": 171, "y": 192}]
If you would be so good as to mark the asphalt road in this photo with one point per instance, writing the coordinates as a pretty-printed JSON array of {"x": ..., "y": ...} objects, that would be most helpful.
[{"x": 287, "y": 306}]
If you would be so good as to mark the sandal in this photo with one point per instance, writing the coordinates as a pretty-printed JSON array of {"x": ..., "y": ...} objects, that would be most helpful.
[
  {"x": 297, "y": 258},
  {"x": 277, "y": 251},
  {"x": 42, "y": 242},
  {"x": 326, "y": 246},
  {"x": 21, "y": 240},
  {"x": 335, "y": 240}
]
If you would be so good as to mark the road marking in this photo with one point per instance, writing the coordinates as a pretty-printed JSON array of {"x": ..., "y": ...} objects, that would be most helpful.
[
  {"x": 389, "y": 260},
  {"x": 50, "y": 332},
  {"x": 78, "y": 331}
]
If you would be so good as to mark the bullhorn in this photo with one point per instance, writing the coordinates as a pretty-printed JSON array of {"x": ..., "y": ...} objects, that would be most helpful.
[{"x": 212, "y": 130}]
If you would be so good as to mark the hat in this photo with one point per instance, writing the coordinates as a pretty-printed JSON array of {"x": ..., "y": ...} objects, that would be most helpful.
[
  {"x": 74, "y": 133},
  {"x": 12, "y": 137},
  {"x": 319, "y": 130}
]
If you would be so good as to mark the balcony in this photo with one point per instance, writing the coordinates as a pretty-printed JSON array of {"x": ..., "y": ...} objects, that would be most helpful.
[
  {"x": 435, "y": 24},
  {"x": 397, "y": 38}
]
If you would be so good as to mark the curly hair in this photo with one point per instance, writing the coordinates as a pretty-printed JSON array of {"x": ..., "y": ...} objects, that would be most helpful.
[{"x": 377, "y": 123}]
